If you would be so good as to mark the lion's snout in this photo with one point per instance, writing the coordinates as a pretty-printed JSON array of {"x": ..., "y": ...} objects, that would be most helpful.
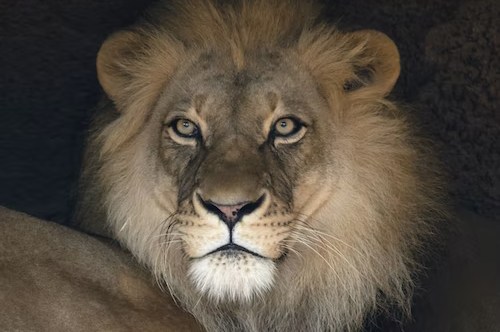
[{"x": 230, "y": 214}]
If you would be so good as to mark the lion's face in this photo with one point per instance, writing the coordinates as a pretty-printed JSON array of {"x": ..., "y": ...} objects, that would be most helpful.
[
  {"x": 255, "y": 165},
  {"x": 245, "y": 150}
]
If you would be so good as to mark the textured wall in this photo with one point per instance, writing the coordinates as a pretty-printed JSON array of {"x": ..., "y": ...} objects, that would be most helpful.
[{"x": 450, "y": 73}]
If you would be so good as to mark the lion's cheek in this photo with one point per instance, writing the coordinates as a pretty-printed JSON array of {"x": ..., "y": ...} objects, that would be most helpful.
[{"x": 315, "y": 189}]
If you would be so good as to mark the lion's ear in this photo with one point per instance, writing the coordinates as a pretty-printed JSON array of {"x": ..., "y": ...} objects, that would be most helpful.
[
  {"x": 113, "y": 63},
  {"x": 376, "y": 67}
]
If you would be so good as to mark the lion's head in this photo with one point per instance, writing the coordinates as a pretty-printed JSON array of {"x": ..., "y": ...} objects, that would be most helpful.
[{"x": 255, "y": 165}]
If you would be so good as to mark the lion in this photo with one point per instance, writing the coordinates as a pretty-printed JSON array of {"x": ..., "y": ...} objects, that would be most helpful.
[{"x": 249, "y": 155}]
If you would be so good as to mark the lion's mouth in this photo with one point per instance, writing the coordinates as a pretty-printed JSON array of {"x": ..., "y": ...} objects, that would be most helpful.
[{"x": 232, "y": 248}]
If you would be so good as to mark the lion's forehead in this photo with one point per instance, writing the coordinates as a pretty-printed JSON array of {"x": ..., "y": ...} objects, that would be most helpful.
[{"x": 247, "y": 94}]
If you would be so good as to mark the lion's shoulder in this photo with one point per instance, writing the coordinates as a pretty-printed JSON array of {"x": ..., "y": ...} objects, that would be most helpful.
[{"x": 54, "y": 278}]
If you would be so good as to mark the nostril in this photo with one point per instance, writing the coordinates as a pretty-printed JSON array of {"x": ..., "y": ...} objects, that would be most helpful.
[
  {"x": 248, "y": 208},
  {"x": 232, "y": 213}
]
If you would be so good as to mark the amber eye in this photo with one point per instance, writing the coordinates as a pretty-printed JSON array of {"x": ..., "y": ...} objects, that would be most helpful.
[
  {"x": 286, "y": 127},
  {"x": 185, "y": 128}
]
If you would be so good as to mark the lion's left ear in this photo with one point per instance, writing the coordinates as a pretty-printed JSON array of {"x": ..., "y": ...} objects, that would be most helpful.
[{"x": 376, "y": 67}]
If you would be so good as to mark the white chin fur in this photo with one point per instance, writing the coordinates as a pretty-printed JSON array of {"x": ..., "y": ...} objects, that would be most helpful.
[{"x": 232, "y": 276}]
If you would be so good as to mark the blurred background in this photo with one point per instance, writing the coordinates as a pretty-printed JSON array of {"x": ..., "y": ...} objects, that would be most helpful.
[{"x": 48, "y": 88}]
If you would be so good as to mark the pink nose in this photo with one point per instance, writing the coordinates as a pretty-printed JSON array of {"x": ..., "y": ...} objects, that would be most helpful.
[{"x": 230, "y": 211}]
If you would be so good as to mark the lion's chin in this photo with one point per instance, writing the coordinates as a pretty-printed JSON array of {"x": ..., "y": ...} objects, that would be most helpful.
[{"x": 232, "y": 275}]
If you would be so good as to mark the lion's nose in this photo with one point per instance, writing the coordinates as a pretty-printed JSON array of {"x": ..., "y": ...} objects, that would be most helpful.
[{"x": 232, "y": 213}]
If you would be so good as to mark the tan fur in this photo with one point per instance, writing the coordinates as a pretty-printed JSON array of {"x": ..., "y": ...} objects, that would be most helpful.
[
  {"x": 53, "y": 278},
  {"x": 355, "y": 221}
]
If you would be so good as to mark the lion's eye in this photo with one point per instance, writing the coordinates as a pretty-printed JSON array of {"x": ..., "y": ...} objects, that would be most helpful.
[
  {"x": 184, "y": 131},
  {"x": 185, "y": 128},
  {"x": 286, "y": 126},
  {"x": 288, "y": 130}
]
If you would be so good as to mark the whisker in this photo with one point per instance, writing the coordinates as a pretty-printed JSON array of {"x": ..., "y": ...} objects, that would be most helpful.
[
  {"x": 309, "y": 227},
  {"x": 164, "y": 230},
  {"x": 170, "y": 242},
  {"x": 325, "y": 260},
  {"x": 288, "y": 247},
  {"x": 331, "y": 246},
  {"x": 198, "y": 302}
]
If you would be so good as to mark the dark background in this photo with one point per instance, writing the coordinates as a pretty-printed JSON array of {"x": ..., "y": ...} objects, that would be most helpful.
[{"x": 450, "y": 75}]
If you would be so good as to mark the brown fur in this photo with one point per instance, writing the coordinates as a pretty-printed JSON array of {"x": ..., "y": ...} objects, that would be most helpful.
[{"x": 359, "y": 196}]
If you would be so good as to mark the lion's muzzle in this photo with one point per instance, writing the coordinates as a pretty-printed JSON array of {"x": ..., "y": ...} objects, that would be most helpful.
[{"x": 233, "y": 248}]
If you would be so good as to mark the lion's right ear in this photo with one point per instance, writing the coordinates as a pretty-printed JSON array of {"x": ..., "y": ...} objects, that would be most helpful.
[{"x": 115, "y": 62}]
